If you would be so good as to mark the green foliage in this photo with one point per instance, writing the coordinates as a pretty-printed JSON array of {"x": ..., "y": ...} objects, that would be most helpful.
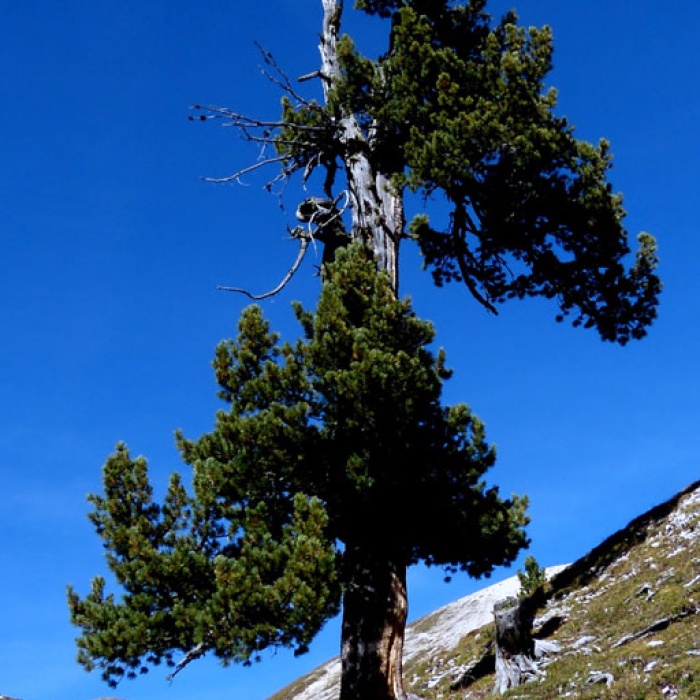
[
  {"x": 336, "y": 441},
  {"x": 385, "y": 446},
  {"x": 192, "y": 582},
  {"x": 458, "y": 107},
  {"x": 532, "y": 578}
]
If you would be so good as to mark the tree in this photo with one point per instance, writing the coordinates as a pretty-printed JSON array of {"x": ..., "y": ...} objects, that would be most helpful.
[
  {"x": 532, "y": 578},
  {"x": 334, "y": 468},
  {"x": 454, "y": 111}
]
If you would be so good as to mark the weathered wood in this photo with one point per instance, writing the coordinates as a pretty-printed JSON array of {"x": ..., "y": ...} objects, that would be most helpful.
[
  {"x": 376, "y": 208},
  {"x": 656, "y": 626},
  {"x": 515, "y": 647}
]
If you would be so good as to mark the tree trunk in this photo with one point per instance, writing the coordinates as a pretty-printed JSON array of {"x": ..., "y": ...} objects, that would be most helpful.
[
  {"x": 375, "y": 602},
  {"x": 375, "y": 609},
  {"x": 516, "y": 650},
  {"x": 376, "y": 207}
]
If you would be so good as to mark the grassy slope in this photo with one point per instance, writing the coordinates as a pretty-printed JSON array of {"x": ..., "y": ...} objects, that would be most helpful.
[{"x": 646, "y": 577}]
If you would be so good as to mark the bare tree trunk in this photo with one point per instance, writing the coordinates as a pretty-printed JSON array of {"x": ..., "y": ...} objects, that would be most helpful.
[
  {"x": 377, "y": 209},
  {"x": 375, "y": 609},
  {"x": 388, "y": 232}
]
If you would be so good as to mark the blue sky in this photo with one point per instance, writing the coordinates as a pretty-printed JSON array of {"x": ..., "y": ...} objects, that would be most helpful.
[{"x": 112, "y": 247}]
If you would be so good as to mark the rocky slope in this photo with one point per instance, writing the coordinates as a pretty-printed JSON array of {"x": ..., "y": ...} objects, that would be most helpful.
[{"x": 625, "y": 617}]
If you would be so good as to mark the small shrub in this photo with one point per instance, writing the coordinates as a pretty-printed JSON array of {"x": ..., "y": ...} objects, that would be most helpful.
[{"x": 532, "y": 578}]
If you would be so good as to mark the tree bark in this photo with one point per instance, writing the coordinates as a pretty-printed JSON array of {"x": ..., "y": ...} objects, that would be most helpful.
[
  {"x": 376, "y": 207},
  {"x": 375, "y": 610}
]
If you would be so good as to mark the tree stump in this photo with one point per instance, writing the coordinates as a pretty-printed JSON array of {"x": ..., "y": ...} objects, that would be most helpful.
[{"x": 515, "y": 647}]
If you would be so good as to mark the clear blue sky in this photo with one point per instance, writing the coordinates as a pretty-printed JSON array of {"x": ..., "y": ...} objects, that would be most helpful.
[{"x": 112, "y": 248}]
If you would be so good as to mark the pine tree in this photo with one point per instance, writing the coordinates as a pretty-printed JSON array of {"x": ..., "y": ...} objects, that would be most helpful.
[
  {"x": 334, "y": 467},
  {"x": 454, "y": 111},
  {"x": 532, "y": 578}
]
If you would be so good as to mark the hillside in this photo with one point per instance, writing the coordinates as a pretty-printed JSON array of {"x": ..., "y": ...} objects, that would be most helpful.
[{"x": 625, "y": 617}]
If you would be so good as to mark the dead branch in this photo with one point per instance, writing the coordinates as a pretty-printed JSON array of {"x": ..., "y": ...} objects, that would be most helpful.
[
  {"x": 243, "y": 121},
  {"x": 305, "y": 153},
  {"x": 323, "y": 213},
  {"x": 326, "y": 216},
  {"x": 247, "y": 169},
  {"x": 192, "y": 655},
  {"x": 310, "y": 76},
  {"x": 278, "y": 77},
  {"x": 303, "y": 245},
  {"x": 266, "y": 133},
  {"x": 657, "y": 626}
]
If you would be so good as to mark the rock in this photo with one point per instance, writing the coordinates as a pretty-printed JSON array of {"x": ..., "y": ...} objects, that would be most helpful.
[
  {"x": 583, "y": 641},
  {"x": 600, "y": 677}
]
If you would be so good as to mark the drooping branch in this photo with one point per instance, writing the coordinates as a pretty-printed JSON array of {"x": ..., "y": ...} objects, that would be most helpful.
[
  {"x": 461, "y": 222},
  {"x": 462, "y": 252},
  {"x": 324, "y": 220}
]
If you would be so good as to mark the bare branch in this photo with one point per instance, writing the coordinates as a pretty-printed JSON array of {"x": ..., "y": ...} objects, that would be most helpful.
[
  {"x": 303, "y": 245},
  {"x": 279, "y": 77},
  {"x": 310, "y": 76},
  {"x": 242, "y": 121},
  {"x": 248, "y": 169},
  {"x": 311, "y": 165}
]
